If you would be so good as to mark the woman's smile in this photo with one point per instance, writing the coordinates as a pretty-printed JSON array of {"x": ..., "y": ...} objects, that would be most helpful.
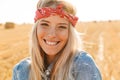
[{"x": 51, "y": 43}]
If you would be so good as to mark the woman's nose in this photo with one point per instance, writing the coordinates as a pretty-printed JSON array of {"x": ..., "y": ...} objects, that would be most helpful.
[{"x": 52, "y": 33}]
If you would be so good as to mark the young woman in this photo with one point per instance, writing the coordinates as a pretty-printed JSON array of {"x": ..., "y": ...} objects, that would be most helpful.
[{"x": 55, "y": 47}]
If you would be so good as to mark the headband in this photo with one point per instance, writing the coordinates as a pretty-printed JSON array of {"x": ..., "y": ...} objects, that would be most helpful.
[{"x": 47, "y": 11}]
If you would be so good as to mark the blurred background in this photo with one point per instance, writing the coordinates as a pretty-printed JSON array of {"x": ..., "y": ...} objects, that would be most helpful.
[{"x": 99, "y": 23}]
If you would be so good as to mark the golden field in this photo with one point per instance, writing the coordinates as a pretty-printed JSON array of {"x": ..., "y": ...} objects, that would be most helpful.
[{"x": 100, "y": 39}]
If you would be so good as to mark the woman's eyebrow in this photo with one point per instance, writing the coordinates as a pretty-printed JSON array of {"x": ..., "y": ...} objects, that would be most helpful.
[{"x": 44, "y": 21}]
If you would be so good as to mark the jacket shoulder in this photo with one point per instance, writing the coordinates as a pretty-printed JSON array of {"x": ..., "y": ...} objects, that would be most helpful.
[
  {"x": 85, "y": 68},
  {"x": 21, "y": 69},
  {"x": 25, "y": 63},
  {"x": 83, "y": 57}
]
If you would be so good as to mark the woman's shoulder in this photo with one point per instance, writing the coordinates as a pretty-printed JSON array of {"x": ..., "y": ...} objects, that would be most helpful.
[
  {"x": 21, "y": 70},
  {"x": 85, "y": 68},
  {"x": 83, "y": 57},
  {"x": 83, "y": 60},
  {"x": 24, "y": 63},
  {"x": 22, "y": 67}
]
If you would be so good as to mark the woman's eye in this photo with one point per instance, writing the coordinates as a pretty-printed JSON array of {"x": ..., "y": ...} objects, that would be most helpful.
[
  {"x": 62, "y": 27},
  {"x": 44, "y": 24}
]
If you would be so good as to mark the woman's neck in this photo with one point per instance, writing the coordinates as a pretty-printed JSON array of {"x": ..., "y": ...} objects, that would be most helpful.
[{"x": 50, "y": 59}]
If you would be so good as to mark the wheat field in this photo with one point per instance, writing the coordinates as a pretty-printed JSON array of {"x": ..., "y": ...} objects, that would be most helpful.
[{"x": 100, "y": 39}]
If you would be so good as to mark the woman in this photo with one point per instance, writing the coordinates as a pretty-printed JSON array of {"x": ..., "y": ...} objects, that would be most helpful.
[{"x": 55, "y": 47}]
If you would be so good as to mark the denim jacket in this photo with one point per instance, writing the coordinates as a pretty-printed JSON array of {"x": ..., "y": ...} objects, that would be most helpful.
[{"x": 83, "y": 68}]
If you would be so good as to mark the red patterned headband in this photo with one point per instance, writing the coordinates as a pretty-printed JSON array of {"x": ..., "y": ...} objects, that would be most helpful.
[{"x": 47, "y": 11}]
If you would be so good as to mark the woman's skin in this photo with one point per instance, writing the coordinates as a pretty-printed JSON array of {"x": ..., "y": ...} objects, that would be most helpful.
[{"x": 52, "y": 33}]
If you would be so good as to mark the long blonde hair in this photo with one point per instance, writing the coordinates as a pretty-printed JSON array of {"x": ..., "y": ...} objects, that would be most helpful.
[{"x": 62, "y": 68}]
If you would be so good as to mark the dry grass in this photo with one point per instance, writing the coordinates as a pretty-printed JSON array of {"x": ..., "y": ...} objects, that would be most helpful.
[
  {"x": 101, "y": 40},
  {"x": 13, "y": 47}
]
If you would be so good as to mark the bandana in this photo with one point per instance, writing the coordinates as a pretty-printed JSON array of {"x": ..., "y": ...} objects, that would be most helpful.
[{"x": 47, "y": 11}]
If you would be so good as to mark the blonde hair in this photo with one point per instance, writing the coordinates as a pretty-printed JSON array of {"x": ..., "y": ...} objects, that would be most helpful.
[{"x": 62, "y": 68}]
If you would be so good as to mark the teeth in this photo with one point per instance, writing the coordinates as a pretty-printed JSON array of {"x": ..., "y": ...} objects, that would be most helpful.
[{"x": 51, "y": 43}]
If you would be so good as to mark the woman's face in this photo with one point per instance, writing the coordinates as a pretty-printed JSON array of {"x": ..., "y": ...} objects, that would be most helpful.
[{"x": 52, "y": 33}]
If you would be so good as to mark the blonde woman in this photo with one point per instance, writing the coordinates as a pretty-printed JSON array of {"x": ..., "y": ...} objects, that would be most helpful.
[{"x": 55, "y": 47}]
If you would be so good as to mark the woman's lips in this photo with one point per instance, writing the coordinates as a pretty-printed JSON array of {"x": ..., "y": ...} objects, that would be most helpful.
[{"x": 51, "y": 43}]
